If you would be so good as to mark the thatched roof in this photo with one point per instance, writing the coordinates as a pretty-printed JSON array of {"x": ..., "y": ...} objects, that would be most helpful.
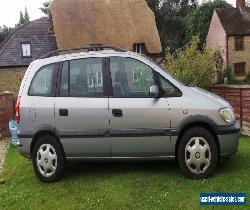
[{"x": 119, "y": 23}]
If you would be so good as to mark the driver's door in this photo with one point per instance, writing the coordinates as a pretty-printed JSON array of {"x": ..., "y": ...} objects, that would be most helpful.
[{"x": 140, "y": 124}]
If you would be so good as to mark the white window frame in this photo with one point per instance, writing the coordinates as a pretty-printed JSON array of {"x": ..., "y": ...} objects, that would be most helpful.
[
  {"x": 137, "y": 48},
  {"x": 96, "y": 80},
  {"x": 136, "y": 72},
  {"x": 26, "y": 50}
]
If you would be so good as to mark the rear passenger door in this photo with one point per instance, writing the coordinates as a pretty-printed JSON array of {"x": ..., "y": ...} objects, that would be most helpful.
[{"x": 81, "y": 108}]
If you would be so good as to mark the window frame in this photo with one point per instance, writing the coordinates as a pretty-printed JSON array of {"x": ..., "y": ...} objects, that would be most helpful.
[
  {"x": 158, "y": 76},
  {"x": 244, "y": 68},
  {"x": 155, "y": 78},
  {"x": 26, "y": 43},
  {"x": 241, "y": 40},
  {"x": 54, "y": 78},
  {"x": 138, "y": 48},
  {"x": 105, "y": 93}
]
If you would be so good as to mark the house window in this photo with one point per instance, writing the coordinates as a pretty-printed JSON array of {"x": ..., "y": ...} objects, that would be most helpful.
[
  {"x": 239, "y": 69},
  {"x": 95, "y": 79},
  {"x": 138, "y": 48},
  {"x": 26, "y": 50},
  {"x": 239, "y": 43},
  {"x": 137, "y": 73}
]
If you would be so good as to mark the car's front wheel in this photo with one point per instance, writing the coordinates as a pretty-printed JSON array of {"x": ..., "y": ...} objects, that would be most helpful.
[
  {"x": 197, "y": 153},
  {"x": 48, "y": 159}
]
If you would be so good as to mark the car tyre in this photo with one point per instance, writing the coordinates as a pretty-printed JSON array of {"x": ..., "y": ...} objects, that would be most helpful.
[
  {"x": 48, "y": 159},
  {"x": 197, "y": 153}
]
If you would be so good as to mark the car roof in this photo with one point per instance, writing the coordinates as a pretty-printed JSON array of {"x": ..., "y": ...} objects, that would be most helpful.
[{"x": 79, "y": 55}]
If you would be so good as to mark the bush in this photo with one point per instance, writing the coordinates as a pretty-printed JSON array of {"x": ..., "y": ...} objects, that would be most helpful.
[
  {"x": 192, "y": 66},
  {"x": 228, "y": 73}
]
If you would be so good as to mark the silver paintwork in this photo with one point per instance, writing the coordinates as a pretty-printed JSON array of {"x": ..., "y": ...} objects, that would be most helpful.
[
  {"x": 46, "y": 160},
  {"x": 197, "y": 155},
  {"x": 154, "y": 91},
  {"x": 93, "y": 116}
]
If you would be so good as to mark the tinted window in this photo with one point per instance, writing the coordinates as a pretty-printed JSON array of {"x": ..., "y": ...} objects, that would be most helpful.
[
  {"x": 167, "y": 88},
  {"x": 42, "y": 82},
  {"x": 82, "y": 78},
  {"x": 130, "y": 78}
]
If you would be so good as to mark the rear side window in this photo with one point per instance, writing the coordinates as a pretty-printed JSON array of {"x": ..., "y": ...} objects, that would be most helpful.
[
  {"x": 82, "y": 78},
  {"x": 42, "y": 82}
]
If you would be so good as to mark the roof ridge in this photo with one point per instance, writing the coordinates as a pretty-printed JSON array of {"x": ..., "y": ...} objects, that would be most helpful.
[{"x": 7, "y": 38}]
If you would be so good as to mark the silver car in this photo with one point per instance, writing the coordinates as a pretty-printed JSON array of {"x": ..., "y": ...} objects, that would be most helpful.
[{"x": 111, "y": 105}]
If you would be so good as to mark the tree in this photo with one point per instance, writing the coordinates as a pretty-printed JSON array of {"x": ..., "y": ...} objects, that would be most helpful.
[
  {"x": 4, "y": 32},
  {"x": 26, "y": 16},
  {"x": 193, "y": 66},
  {"x": 21, "y": 18},
  {"x": 198, "y": 20},
  {"x": 171, "y": 22},
  {"x": 45, "y": 8}
]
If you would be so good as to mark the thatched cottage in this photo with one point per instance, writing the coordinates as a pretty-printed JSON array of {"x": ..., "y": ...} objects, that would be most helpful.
[
  {"x": 129, "y": 24},
  {"x": 229, "y": 33}
]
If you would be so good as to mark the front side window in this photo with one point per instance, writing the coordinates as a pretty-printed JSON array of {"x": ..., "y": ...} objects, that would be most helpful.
[
  {"x": 130, "y": 78},
  {"x": 167, "y": 88},
  {"x": 42, "y": 82},
  {"x": 82, "y": 78},
  {"x": 26, "y": 50}
]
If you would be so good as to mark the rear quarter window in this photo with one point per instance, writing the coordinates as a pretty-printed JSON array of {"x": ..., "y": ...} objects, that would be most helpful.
[{"x": 42, "y": 83}]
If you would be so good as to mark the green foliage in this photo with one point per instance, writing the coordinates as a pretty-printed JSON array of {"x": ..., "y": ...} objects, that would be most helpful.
[
  {"x": 192, "y": 66},
  {"x": 198, "y": 20},
  {"x": 26, "y": 16},
  {"x": 23, "y": 18},
  {"x": 171, "y": 22},
  {"x": 4, "y": 31},
  {"x": 45, "y": 7},
  {"x": 227, "y": 75}
]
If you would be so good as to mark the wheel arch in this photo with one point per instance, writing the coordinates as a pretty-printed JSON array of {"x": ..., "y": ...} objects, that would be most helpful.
[
  {"x": 200, "y": 121},
  {"x": 41, "y": 133}
]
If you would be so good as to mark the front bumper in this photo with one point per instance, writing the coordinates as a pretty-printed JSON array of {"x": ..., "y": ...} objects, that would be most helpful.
[{"x": 229, "y": 137}]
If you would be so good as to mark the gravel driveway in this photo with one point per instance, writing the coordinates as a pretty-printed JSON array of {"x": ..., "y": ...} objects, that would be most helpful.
[{"x": 3, "y": 149}]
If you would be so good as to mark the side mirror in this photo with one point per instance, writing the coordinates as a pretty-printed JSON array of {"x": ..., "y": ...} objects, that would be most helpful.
[{"x": 154, "y": 91}]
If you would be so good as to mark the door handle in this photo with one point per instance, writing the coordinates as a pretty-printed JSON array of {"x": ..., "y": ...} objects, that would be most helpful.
[
  {"x": 63, "y": 112},
  {"x": 117, "y": 112}
]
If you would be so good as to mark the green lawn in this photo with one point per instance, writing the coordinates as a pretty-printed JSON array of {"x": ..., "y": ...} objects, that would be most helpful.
[{"x": 120, "y": 185}]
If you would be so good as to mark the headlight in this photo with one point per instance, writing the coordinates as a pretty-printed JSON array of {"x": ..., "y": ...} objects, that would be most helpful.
[{"x": 227, "y": 114}]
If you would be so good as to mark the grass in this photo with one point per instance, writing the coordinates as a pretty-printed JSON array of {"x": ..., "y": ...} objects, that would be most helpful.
[{"x": 119, "y": 185}]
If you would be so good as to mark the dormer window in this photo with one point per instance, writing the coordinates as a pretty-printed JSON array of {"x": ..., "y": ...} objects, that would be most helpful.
[
  {"x": 239, "y": 43},
  {"x": 138, "y": 48},
  {"x": 26, "y": 50}
]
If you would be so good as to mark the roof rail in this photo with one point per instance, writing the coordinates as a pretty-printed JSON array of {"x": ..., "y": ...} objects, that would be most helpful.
[{"x": 89, "y": 48}]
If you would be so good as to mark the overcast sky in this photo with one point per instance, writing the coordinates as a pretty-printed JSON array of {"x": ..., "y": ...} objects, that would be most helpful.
[{"x": 10, "y": 9}]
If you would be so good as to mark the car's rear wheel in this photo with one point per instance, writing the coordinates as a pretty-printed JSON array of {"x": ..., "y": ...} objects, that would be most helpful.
[
  {"x": 48, "y": 159},
  {"x": 197, "y": 153}
]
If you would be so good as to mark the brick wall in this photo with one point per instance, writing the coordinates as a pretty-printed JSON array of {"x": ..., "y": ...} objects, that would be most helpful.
[
  {"x": 6, "y": 112},
  {"x": 239, "y": 98},
  {"x": 10, "y": 79}
]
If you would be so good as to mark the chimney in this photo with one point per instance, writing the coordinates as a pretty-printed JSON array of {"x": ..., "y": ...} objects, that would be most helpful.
[{"x": 241, "y": 5}]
